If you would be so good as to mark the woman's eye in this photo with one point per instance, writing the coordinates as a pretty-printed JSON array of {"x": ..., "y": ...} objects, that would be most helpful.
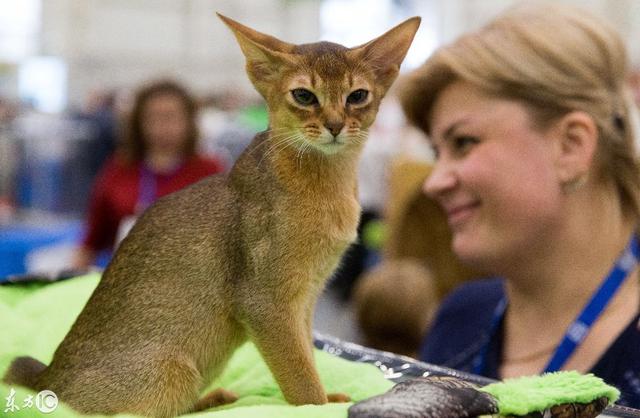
[
  {"x": 463, "y": 143},
  {"x": 357, "y": 97},
  {"x": 304, "y": 97}
]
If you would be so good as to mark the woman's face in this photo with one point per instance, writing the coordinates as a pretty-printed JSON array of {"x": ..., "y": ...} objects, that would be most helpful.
[
  {"x": 494, "y": 176},
  {"x": 165, "y": 123}
]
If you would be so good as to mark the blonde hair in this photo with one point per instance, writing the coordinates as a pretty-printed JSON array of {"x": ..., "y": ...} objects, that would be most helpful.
[{"x": 554, "y": 59}]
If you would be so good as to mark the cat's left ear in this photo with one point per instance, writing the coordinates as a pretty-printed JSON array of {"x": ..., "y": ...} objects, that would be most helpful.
[
  {"x": 386, "y": 52},
  {"x": 264, "y": 53}
]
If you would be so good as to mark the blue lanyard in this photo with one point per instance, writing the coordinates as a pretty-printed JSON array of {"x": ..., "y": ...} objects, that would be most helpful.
[
  {"x": 581, "y": 326},
  {"x": 148, "y": 189}
]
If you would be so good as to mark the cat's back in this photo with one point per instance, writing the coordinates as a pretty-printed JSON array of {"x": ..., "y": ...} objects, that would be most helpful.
[
  {"x": 196, "y": 221},
  {"x": 187, "y": 245},
  {"x": 252, "y": 173},
  {"x": 179, "y": 257},
  {"x": 204, "y": 203}
]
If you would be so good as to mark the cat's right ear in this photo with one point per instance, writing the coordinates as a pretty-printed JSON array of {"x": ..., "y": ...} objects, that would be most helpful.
[{"x": 265, "y": 54}]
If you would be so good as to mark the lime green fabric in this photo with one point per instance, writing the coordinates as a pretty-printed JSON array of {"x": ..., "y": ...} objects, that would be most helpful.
[
  {"x": 255, "y": 118},
  {"x": 536, "y": 393},
  {"x": 36, "y": 317}
]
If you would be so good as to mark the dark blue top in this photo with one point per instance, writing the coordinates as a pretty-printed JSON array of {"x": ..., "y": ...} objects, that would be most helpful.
[{"x": 462, "y": 327}]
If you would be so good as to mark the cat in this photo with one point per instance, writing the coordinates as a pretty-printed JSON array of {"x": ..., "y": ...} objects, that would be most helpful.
[{"x": 235, "y": 257}]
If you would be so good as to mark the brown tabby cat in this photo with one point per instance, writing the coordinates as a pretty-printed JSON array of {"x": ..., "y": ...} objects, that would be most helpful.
[{"x": 236, "y": 257}]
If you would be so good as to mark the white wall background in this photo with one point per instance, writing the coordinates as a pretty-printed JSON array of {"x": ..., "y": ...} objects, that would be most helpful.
[{"x": 119, "y": 43}]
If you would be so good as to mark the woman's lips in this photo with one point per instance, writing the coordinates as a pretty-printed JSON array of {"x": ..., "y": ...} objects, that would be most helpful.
[{"x": 459, "y": 214}]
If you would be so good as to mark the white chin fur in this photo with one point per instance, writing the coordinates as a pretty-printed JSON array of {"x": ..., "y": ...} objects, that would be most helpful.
[{"x": 330, "y": 145}]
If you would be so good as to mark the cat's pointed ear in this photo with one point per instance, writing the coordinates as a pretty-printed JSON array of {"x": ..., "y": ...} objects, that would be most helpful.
[
  {"x": 386, "y": 52},
  {"x": 264, "y": 54}
]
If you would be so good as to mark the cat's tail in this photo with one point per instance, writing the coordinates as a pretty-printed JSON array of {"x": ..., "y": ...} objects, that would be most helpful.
[{"x": 24, "y": 371}]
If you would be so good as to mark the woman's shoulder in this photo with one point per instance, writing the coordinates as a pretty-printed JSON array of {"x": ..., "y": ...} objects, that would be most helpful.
[
  {"x": 118, "y": 166},
  {"x": 462, "y": 317},
  {"x": 470, "y": 307},
  {"x": 205, "y": 164},
  {"x": 620, "y": 364},
  {"x": 474, "y": 296}
]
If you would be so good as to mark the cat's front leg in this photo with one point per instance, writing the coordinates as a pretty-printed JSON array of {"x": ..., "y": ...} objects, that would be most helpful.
[
  {"x": 282, "y": 337},
  {"x": 309, "y": 313}
]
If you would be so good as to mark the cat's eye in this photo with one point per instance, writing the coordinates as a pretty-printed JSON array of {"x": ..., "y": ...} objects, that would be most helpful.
[
  {"x": 357, "y": 97},
  {"x": 304, "y": 97}
]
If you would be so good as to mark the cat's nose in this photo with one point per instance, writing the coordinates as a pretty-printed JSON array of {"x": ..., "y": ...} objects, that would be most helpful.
[{"x": 334, "y": 127}]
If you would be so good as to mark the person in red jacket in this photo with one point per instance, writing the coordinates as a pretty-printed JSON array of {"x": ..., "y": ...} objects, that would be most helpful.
[{"x": 158, "y": 156}]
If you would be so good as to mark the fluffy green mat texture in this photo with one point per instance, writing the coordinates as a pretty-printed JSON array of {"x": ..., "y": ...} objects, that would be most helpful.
[
  {"x": 36, "y": 317},
  {"x": 523, "y": 395}
]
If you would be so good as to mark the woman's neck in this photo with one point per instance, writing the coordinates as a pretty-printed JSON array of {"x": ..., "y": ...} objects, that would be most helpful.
[
  {"x": 554, "y": 284},
  {"x": 565, "y": 269},
  {"x": 162, "y": 162}
]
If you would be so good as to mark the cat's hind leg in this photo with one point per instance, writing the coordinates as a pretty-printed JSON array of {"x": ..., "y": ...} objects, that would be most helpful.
[
  {"x": 164, "y": 385},
  {"x": 171, "y": 388}
]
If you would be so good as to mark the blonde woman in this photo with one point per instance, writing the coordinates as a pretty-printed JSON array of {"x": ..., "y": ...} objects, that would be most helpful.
[{"x": 530, "y": 120}]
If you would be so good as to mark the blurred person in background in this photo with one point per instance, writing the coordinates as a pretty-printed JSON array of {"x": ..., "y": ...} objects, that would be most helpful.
[
  {"x": 8, "y": 160},
  {"x": 531, "y": 120},
  {"x": 100, "y": 114},
  {"x": 156, "y": 157}
]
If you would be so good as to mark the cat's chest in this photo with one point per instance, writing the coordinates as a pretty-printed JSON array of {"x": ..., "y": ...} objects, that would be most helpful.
[
  {"x": 305, "y": 238},
  {"x": 325, "y": 222}
]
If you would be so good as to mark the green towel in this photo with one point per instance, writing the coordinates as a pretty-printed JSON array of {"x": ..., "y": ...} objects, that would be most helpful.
[
  {"x": 536, "y": 393},
  {"x": 36, "y": 317}
]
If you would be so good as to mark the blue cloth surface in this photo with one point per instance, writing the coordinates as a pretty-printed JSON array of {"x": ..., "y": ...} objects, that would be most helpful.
[
  {"x": 18, "y": 240},
  {"x": 462, "y": 327}
]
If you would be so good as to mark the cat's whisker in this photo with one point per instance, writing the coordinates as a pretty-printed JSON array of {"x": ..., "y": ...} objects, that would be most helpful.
[
  {"x": 359, "y": 138},
  {"x": 288, "y": 128},
  {"x": 299, "y": 158},
  {"x": 284, "y": 131},
  {"x": 301, "y": 152},
  {"x": 273, "y": 142},
  {"x": 278, "y": 146},
  {"x": 308, "y": 147},
  {"x": 292, "y": 138},
  {"x": 274, "y": 139},
  {"x": 277, "y": 138},
  {"x": 324, "y": 157},
  {"x": 281, "y": 143}
]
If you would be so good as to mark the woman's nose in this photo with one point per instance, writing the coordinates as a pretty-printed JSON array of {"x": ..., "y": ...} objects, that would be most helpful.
[{"x": 441, "y": 179}]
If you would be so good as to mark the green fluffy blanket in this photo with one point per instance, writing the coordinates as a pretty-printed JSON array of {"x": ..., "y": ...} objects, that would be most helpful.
[
  {"x": 36, "y": 317},
  {"x": 527, "y": 394}
]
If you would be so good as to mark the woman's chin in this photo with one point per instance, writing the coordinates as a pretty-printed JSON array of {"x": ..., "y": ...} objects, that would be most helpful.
[{"x": 470, "y": 250}]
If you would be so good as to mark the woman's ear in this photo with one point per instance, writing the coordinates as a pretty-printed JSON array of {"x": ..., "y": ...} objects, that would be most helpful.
[{"x": 576, "y": 143}]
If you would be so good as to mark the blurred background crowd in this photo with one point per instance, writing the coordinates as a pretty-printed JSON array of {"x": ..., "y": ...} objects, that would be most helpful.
[{"x": 70, "y": 71}]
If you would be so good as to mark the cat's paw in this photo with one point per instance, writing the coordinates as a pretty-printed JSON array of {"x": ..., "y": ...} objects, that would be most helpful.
[
  {"x": 215, "y": 398},
  {"x": 338, "y": 398}
]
